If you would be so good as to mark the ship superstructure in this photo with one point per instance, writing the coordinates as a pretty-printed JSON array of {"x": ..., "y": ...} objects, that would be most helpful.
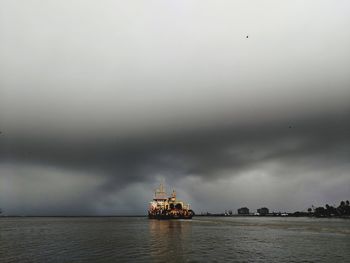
[{"x": 164, "y": 207}]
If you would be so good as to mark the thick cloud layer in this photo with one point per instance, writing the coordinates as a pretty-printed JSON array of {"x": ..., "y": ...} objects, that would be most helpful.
[{"x": 99, "y": 103}]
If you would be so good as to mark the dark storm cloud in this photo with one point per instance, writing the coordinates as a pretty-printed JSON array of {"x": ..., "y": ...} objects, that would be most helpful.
[
  {"x": 202, "y": 153},
  {"x": 209, "y": 155}
]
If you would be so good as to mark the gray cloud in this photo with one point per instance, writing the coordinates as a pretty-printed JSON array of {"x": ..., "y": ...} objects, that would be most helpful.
[{"x": 98, "y": 103}]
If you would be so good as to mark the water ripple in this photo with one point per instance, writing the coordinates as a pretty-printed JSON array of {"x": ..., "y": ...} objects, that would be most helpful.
[{"x": 199, "y": 240}]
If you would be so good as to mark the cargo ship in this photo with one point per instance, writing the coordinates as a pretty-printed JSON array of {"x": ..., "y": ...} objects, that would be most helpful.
[{"x": 164, "y": 207}]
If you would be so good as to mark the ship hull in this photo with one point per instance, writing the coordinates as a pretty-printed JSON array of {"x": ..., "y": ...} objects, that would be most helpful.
[{"x": 167, "y": 217}]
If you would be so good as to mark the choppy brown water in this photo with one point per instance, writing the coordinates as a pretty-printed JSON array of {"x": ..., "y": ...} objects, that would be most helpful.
[{"x": 203, "y": 239}]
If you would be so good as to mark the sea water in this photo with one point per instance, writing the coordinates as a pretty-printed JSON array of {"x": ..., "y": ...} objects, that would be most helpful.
[{"x": 202, "y": 239}]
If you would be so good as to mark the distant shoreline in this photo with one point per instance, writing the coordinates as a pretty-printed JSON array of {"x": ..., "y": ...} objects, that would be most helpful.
[{"x": 271, "y": 215}]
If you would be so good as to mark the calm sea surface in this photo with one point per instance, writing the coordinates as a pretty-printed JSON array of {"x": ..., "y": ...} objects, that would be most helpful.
[{"x": 202, "y": 239}]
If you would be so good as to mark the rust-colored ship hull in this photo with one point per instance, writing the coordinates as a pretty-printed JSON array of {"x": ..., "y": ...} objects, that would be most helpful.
[{"x": 171, "y": 216}]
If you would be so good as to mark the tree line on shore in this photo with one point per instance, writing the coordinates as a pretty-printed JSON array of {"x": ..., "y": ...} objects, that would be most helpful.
[{"x": 328, "y": 211}]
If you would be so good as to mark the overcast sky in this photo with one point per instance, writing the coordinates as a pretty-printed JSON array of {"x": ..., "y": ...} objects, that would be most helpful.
[{"x": 233, "y": 103}]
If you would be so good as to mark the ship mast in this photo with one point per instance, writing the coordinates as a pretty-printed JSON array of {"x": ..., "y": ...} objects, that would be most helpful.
[{"x": 160, "y": 193}]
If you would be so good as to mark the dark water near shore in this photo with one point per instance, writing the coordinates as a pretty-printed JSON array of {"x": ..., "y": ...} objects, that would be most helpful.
[{"x": 203, "y": 239}]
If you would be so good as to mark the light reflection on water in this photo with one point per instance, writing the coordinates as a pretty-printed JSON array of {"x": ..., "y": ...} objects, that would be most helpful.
[
  {"x": 170, "y": 240},
  {"x": 203, "y": 239}
]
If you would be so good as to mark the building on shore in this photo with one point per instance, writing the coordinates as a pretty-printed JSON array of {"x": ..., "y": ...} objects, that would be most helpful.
[
  {"x": 263, "y": 211},
  {"x": 243, "y": 211}
]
